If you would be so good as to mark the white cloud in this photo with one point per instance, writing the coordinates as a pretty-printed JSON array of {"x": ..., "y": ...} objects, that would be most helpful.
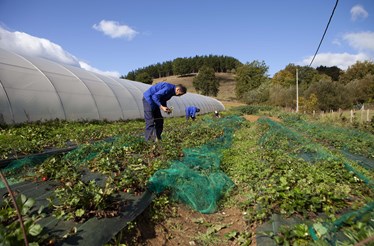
[
  {"x": 358, "y": 12},
  {"x": 341, "y": 60},
  {"x": 360, "y": 41},
  {"x": 26, "y": 44},
  {"x": 336, "y": 42},
  {"x": 92, "y": 69},
  {"x": 114, "y": 30}
]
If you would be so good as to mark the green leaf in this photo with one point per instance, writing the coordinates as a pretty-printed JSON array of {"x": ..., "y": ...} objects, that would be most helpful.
[
  {"x": 40, "y": 210},
  {"x": 215, "y": 229},
  {"x": 29, "y": 202},
  {"x": 35, "y": 229},
  {"x": 231, "y": 235},
  {"x": 301, "y": 230},
  {"x": 320, "y": 229},
  {"x": 23, "y": 198},
  {"x": 198, "y": 220},
  {"x": 210, "y": 230},
  {"x": 26, "y": 204},
  {"x": 79, "y": 212},
  {"x": 283, "y": 181}
]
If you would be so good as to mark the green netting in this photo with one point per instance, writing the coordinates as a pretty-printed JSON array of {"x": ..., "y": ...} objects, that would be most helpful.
[
  {"x": 354, "y": 216},
  {"x": 322, "y": 233},
  {"x": 197, "y": 180},
  {"x": 30, "y": 161},
  {"x": 361, "y": 160},
  {"x": 334, "y": 233},
  {"x": 299, "y": 142},
  {"x": 365, "y": 179},
  {"x": 350, "y": 141},
  {"x": 301, "y": 146},
  {"x": 18, "y": 170}
]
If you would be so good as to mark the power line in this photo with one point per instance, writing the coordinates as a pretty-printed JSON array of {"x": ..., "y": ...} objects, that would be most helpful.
[{"x": 323, "y": 36}]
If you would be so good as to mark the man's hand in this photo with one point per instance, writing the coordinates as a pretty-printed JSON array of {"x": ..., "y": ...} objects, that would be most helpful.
[{"x": 165, "y": 109}]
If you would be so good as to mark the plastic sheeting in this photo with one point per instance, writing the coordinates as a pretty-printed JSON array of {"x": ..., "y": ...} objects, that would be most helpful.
[
  {"x": 37, "y": 89},
  {"x": 93, "y": 232}
]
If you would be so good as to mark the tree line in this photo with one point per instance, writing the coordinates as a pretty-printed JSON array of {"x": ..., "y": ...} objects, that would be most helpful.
[
  {"x": 322, "y": 88},
  {"x": 183, "y": 66}
]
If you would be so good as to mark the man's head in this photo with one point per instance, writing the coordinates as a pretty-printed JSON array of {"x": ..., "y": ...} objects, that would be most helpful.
[
  {"x": 197, "y": 110},
  {"x": 180, "y": 90}
]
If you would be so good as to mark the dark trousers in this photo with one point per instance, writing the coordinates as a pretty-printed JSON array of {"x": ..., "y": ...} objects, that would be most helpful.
[{"x": 154, "y": 122}]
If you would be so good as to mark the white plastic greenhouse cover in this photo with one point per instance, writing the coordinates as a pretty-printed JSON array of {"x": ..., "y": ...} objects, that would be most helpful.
[{"x": 37, "y": 89}]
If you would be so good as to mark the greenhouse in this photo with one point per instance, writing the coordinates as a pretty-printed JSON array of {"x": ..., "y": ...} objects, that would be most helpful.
[{"x": 36, "y": 89}]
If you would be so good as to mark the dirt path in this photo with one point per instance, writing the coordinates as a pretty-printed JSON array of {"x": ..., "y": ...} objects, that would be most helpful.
[
  {"x": 253, "y": 118},
  {"x": 189, "y": 227}
]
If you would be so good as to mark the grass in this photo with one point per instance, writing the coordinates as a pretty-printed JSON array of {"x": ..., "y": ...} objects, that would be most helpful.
[{"x": 226, "y": 92}]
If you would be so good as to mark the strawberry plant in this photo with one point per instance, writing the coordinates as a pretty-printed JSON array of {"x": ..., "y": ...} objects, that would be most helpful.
[
  {"x": 356, "y": 141},
  {"x": 84, "y": 200},
  {"x": 286, "y": 168},
  {"x": 265, "y": 164},
  {"x": 10, "y": 230}
]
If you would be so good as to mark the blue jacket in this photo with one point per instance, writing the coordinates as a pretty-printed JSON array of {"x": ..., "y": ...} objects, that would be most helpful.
[
  {"x": 159, "y": 94},
  {"x": 191, "y": 111}
]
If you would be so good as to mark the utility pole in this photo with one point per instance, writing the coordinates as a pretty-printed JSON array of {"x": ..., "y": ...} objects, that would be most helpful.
[{"x": 297, "y": 90}]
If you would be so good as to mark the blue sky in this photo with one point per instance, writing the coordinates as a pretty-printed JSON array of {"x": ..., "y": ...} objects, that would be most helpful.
[{"x": 114, "y": 37}]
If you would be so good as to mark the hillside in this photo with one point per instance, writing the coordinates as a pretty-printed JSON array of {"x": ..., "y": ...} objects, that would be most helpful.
[{"x": 226, "y": 92}]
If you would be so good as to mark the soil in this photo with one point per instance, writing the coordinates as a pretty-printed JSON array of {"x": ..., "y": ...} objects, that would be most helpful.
[
  {"x": 226, "y": 89},
  {"x": 189, "y": 227},
  {"x": 253, "y": 118}
]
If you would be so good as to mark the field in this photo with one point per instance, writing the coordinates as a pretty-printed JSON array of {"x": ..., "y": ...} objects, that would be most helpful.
[
  {"x": 226, "y": 92},
  {"x": 255, "y": 176}
]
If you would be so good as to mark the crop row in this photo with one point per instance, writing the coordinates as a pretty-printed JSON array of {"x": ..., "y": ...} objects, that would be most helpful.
[{"x": 279, "y": 171}]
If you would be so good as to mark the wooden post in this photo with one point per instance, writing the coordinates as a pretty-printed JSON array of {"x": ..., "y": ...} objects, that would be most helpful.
[
  {"x": 367, "y": 115},
  {"x": 297, "y": 90},
  {"x": 351, "y": 116},
  {"x": 362, "y": 115}
]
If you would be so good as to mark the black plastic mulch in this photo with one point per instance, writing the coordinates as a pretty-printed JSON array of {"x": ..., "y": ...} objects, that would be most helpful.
[
  {"x": 363, "y": 161},
  {"x": 92, "y": 232}
]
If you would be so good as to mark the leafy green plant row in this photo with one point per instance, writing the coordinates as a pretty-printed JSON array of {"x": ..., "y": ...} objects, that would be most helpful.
[
  {"x": 254, "y": 109},
  {"x": 37, "y": 137},
  {"x": 10, "y": 230},
  {"x": 270, "y": 174},
  {"x": 126, "y": 162},
  {"x": 274, "y": 179},
  {"x": 354, "y": 140},
  {"x": 311, "y": 149}
]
